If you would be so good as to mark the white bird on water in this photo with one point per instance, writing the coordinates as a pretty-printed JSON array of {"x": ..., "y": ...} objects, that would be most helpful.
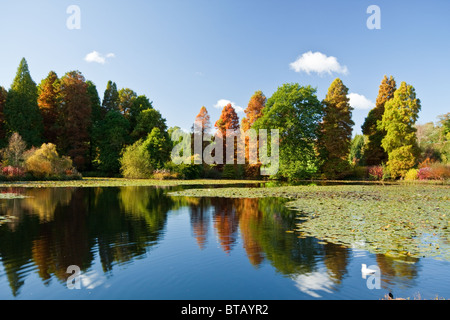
[{"x": 365, "y": 271}]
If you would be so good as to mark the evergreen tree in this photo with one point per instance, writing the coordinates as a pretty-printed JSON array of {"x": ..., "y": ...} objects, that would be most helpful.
[
  {"x": 96, "y": 118},
  {"x": 48, "y": 102},
  {"x": 3, "y": 95},
  {"x": 21, "y": 110},
  {"x": 374, "y": 154},
  {"x": 335, "y": 131},
  {"x": 111, "y": 97},
  {"x": 400, "y": 141}
]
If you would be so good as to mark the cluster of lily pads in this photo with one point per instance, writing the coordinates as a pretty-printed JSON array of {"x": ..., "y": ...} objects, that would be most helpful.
[{"x": 397, "y": 220}]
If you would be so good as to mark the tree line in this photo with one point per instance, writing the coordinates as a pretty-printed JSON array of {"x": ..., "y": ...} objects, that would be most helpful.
[{"x": 123, "y": 134}]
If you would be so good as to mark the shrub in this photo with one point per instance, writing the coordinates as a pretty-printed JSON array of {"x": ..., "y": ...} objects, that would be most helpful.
[
  {"x": 13, "y": 172},
  {"x": 135, "y": 161},
  {"x": 411, "y": 174},
  {"x": 440, "y": 170},
  {"x": 45, "y": 162},
  {"x": 424, "y": 173},
  {"x": 376, "y": 172},
  {"x": 164, "y": 174}
]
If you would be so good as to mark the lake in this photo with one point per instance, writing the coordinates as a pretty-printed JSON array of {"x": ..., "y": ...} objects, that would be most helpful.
[{"x": 139, "y": 243}]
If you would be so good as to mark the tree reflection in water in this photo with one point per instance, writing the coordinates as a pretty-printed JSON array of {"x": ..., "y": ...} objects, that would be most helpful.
[{"x": 58, "y": 227}]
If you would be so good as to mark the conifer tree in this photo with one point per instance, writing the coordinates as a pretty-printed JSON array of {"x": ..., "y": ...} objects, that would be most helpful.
[
  {"x": 21, "y": 110},
  {"x": 374, "y": 154},
  {"x": 48, "y": 102},
  {"x": 111, "y": 98},
  {"x": 335, "y": 131},
  {"x": 3, "y": 95},
  {"x": 75, "y": 118},
  {"x": 400, "y": 141},
  {"x": 254, "y": 110}
]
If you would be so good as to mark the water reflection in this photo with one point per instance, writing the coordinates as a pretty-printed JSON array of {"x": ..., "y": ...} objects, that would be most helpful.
[{"x": 58, "y": 227}]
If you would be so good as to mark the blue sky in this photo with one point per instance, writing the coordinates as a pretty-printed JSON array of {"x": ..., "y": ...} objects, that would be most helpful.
[{"x": 190, "y": 53}]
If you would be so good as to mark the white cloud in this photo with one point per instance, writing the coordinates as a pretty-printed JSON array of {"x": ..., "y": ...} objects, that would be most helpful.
[
  {"x": 223, "y": 102},
  {"x": 97, "y": 57},
  {"x": 310, "y": 283},
  {"x": 359, "y": 101},
  {"x": 317, "y": 62}
]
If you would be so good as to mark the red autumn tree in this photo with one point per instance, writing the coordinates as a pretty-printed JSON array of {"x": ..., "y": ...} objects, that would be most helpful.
[{"x": 75, "y": 118}]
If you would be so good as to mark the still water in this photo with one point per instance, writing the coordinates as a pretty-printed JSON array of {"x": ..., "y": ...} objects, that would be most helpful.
[{"x": 140, "y": 243}]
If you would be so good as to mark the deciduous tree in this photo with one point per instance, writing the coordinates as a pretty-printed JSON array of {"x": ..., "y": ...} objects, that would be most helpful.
[
  {"x": 75, "y": 118},
  {"x": 49, "y": 105}
]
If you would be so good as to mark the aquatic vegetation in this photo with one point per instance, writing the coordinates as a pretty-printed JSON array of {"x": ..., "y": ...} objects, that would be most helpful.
[{"x": 410, "y": 220}]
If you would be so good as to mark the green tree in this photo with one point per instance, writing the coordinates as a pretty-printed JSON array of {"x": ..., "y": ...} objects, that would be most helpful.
[
  {"x": 49, "y": 104},
  {"x": 159, "y": 145},
  {"x": 3, "y": 95},
  {"x": 113, "y": 136},
  {"x": 135, "y": 161},
  {"x": 21, "y": 110},
  {"x": 374, "y": 154},
  {"x": 14, "y": 153},
  {"x": 146, "y": 120},
  {"x": 295, "y": 111},
  {"x": 357, "y": 150},
  {"x": 111, "y": 99},
  {"x": 335, "y": 131},
  {"x": 400, "y": 141},
  {"x": 96, "y": 119}
]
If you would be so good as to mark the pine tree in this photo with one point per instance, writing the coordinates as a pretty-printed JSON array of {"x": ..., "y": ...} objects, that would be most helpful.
[
  {"x": 111, "y": 99},
  {"x": 48, "y": 102},
  {"x": 400, "y": 141},
  {"x": 374, "y": 154},
  {"x": 96, "y": 118},
  {"x": 21, "y": 110},
  {"x": 75, "y": 118},
  {"x": 335, "y": 131}
]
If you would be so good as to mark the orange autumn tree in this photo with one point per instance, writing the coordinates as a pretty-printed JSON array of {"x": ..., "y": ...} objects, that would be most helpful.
[
  {"x": 252, "y": 113},
  {"x": 201, "y": 126},
  {"x": 48, "y": 103},
  {"x": 228, "y": 120}
]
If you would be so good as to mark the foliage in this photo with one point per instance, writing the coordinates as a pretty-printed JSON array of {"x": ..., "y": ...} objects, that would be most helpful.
[
  {"x": 74, "y": 119},
  {"x": 110, "y": 98},
  {"x": 357, "y": 150},
  {"x": 374, "y": 154},
  {"x": 411, "y": 174},
  {"x": 146, "y": 121},
  {"x": 135, "y": 161},
  {"x": 21, "y": 110},
  {"x": 254, "y": 110},
  {"x": 376, "y": 172},
  {"x": 45, "y": 163},
  {"x": 113, "y": 137},
  {"x": 13, "y": 154},
  {"x": 295, "y": 111},
  {"x": 400, "y": 141},
  {"x": 49, "y": 104},
  {"x": 335, "y": 131}
]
